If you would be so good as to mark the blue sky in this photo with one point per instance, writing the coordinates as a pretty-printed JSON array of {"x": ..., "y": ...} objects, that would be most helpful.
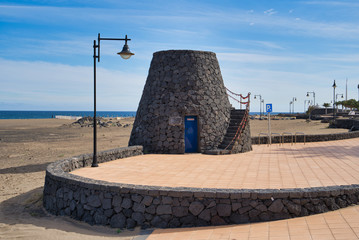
[{"x": 278, "y": 49}]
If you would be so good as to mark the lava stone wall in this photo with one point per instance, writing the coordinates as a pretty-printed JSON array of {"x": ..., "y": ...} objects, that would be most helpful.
[
  {"x": 127, "y": 206},
  {"x": 181, "y": 83}
]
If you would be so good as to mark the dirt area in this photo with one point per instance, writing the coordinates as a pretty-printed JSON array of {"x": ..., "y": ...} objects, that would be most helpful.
[{"x": 28, "y": 146}]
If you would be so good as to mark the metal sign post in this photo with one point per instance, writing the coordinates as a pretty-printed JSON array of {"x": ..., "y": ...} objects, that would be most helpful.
[{"x": 269, "y": 110}]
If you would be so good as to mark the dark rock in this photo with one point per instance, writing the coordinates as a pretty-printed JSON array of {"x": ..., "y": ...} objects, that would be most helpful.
[
  {"x": 180, "y": 211},
  {"x": 118, "y": 221},
  {"x": 276, "y": 206},
  {"x": 126, "y": 203},
  {"x": 108, "y": 212},
  {"x": 253, "y": 203},
  {"x": 244, "y": 209},
  {"x": 147, "y": 200},
  {"x": 156, "y": 201},
  {"x": 138, "y": 217},
  {"x": 117, "y": 209},
  {"x": 116, "y": 201},
  {"x": 148, "y": 216},
  {"x": 224, "y": 210},
  {"x": 188, "y": 221},
  {"x": 261, "y": 208},
  {"x": 342, "y": 203},
  {"x": 127, "y": 212},
  {"x": 151, "y": 209},
  {"x": 196, "y": 208},
  {"x": 205, "y": 215},
  {"x": 163, "y": 209},
  {"x": 167, "y": 200},
  {"x": 320, "y": 208},
  {"x": 265, "y": 216},
  {"x": 236, "y": 206},
  {"x": 158, "y": 222},
  {"x": 253, "y": 213},
  {"x": 106, "y": 203},
  {"x": 136, "y": 198},
  {"x": 309, "y": 206},
  {"x": 138, "y": 207},
  {"x": 185, "y": 202},
  {"x": 100, "y": 219},
  {"x": 217, "y": 220},
  {"x": 294, "y": 208},
  {"x": 174, "y": 223},
  {"x": 130, "y": 223},
  {"x": 237, "y": 218},
  {"x": 211, "y": 204}
]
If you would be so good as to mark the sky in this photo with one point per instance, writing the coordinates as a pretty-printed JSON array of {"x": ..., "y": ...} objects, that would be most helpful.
[{"x": 277, "y": 49}]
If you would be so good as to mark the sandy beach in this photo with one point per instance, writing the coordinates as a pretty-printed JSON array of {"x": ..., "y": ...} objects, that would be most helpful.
[{"x": 28, "y": 146}]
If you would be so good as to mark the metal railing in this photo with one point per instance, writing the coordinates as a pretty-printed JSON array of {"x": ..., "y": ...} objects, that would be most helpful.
[{"x": 299, "y": 133}]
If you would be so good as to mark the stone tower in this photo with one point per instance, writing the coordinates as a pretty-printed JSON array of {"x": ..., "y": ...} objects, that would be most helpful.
[{"x": 184, "y": 105}]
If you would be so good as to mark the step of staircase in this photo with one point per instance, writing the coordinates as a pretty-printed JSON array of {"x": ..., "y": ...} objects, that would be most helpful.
[{"x": 235, "y": 120}]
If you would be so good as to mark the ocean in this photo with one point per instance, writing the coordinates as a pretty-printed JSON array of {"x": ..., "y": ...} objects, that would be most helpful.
[{"x": 52, "y": 114}]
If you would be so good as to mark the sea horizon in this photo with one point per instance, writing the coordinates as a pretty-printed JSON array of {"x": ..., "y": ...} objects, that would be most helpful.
[{"x": 39, "y": 114}]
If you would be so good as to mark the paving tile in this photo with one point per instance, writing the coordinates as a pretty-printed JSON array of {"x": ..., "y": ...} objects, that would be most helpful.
[
  {"x": 284, "y": 229},
  {"x": 315, "y": 164}
]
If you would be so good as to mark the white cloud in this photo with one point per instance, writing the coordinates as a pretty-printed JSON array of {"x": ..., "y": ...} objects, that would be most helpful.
[
  {"x": 270, "y": 12},
  {"x": 57, "y": 85}
]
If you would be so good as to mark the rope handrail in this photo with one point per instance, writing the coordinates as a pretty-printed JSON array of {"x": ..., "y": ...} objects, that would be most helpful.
[
  {"x": 238, "y": 94},
  {"x": 242, "y": 125}
]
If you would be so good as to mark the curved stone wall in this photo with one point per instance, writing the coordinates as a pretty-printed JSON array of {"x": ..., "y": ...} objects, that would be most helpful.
[
  {"x": 181, "y": 83},
  {"x": 308, "y": 138},
  {"x": 127, "y": 206}
]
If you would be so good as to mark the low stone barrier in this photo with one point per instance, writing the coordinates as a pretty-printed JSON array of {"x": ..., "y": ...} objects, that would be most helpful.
[
  {"x": 308, "y": 138},
  {"x": 127, "y": 206}
]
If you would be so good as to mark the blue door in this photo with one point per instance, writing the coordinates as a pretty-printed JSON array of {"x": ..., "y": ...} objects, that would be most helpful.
[{"x": 190, "y": 135}]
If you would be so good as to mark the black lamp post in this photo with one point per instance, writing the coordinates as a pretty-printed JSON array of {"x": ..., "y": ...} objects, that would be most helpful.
[
  {"x": 334, "y": 86},
  {"x": 125, "y": 54},
  {"x": 358, "y": 92}
]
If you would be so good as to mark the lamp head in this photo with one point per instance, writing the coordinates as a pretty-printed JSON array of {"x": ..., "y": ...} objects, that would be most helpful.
[
  {"x": 334, "y": 85},
  {"x": 307, "y": 94},
  {"x": 125, "y": 53},
  {"x": 255, "y": 97}
]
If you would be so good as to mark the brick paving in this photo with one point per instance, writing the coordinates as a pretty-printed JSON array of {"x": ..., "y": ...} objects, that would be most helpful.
[
  {"x": 340, "y": 224},
  {"x": 287, "y": 166}
]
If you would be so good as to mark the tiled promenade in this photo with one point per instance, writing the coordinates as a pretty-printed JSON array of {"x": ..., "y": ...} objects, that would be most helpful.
[
  {"x": 340, "y": 224},
  {"x": 288, "y": 166}
]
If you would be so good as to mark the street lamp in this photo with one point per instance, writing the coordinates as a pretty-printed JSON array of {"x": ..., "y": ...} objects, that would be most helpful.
[
  {"x": 125, "y": 54},
  {"x": 260, "y": 104},
  {"x": 290, "y": 107},
  {"x": 336, "y": 98},
  {"x": 313, "y": 95},
  {"x": 358, "y": 92},
  {"x": 334, "y": 86},
  {"x": 294, "y": 99},
  {"x": 263, "y": 105},
  {"x": 338, "y": 94}
]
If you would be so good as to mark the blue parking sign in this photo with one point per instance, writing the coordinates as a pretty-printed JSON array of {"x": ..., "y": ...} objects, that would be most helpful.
[{"x": 269, "y": 108}]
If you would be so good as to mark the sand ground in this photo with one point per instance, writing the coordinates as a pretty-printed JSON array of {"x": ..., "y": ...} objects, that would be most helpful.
[{"x": 28, "y": 146}]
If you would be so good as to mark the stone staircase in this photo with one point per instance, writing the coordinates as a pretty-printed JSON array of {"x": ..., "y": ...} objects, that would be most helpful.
[
  {"x": 236, "y": 118},
  {"x": 228, "y": 145}
]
